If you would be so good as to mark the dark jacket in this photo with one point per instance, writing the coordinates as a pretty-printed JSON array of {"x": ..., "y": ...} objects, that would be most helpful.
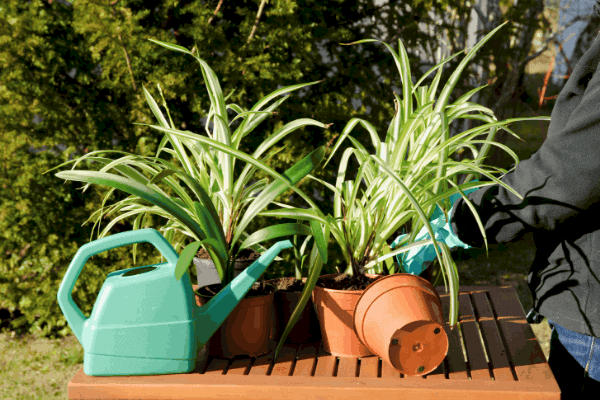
[{"x": 560, "y": 184}]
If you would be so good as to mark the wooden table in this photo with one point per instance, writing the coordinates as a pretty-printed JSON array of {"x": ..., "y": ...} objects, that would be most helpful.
[{"x": 511, "y": 365}]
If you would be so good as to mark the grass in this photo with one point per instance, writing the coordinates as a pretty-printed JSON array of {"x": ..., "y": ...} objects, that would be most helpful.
[
  {"x": 40, "y": 368},
  {"x": 37, "y": 368}
]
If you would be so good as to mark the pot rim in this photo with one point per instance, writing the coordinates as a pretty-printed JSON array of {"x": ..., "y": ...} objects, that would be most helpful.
[
  {"x": 378, "y": 276},
  {"x": 261, "y": 297}
]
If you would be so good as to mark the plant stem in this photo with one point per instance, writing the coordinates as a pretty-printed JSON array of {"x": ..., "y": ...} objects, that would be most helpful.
[{"x": 215, "y": 13}]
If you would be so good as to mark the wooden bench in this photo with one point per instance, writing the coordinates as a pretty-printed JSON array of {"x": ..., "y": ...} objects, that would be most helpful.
[{"x": 509, "y": 364}]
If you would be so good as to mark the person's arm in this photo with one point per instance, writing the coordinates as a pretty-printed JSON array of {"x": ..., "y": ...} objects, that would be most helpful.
[{"x": 560, "y": 183}]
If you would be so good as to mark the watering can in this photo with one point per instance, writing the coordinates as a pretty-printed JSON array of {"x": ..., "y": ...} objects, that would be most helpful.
[{"x": 145, "y": 321}]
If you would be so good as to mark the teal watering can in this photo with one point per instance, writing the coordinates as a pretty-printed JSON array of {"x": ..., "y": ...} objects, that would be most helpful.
[{"x": 145, "y": 321}]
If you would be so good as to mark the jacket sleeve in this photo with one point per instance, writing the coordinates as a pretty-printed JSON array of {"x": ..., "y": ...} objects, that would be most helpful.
[{"x": 560, "y": 183}]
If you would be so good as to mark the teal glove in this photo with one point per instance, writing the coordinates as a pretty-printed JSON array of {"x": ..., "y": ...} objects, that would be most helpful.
[{"x": 414, "y": 259}]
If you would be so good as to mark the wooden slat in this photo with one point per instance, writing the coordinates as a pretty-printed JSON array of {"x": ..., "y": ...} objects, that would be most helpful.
[
  {"x": 190, "y": 386},
  {"x": 457, "y": 368},
  {"x": 347, "y": 367},
  {"x": 471, "y": 289},
  {"x": 437, "y": 373},
  {"x": 475, "y": 352},
  {"x": 325, "y": 364},
  {"x": 492, "y": 339},
  {"x": 306, "y": 356},
  {"x": 369, "y": 367},
  {"x": 283, "y": 365},
  {"x": 525, "y": 352},
  {"x": 419, "y": 377},
  {"x": 387, "y": 371}
]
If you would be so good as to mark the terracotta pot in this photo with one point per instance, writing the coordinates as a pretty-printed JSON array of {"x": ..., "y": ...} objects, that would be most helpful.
[
  {"x": 306, "y": 329},
  {"x": 246, "y": 331},
  {"x": 399, "y": 318},
  {"x": 335, "y": 310}
]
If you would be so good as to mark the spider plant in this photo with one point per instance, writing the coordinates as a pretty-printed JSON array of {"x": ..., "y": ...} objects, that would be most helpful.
[
  {"x": 408, "y": 175},
  {"x": 215, "y": 207}
]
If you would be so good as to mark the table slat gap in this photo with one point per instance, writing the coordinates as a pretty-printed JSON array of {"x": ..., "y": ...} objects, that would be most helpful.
[
  {"x": 261, "y": 365},
  {"x": 477, "y": 367},
  {"x": 347, "y": 367},
  {"x": 478, "y": 326},
  {"x": 285, "y": 361},
  {"x": 446, "y": 368},
  {"x": 455, "y": 363},
  {"x": 439, "y": 372},
  {"x": 216, "y": 366},
  {"x": 461, "y": 337},
  {"x": 239, "y": 366},
  {"x": 326, "y": 364},
  {"x": 369, "y": 367},
  {"x": 497, "y": 358},
  {"x": 502, "y": 337},
  {"x": 305, "y": 362}
]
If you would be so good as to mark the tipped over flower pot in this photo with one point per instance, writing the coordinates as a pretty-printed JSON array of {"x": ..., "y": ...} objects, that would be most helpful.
[{"x": 399, "y": 318}]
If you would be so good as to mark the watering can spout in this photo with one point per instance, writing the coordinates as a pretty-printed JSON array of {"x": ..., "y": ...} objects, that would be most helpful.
[{"x": 214, "y": 313}]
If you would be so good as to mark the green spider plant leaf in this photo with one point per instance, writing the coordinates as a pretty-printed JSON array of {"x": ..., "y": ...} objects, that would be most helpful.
[
  {"x": 346, "y": 131},
  {"x": 317, "y": 154},
  {"x": 189, "y": 252},
  {"x": 135, "y": 188},
  {"x": 274, "y": 232},
  {"x": 250, "y": 123},
  {"x": 294, "y": 174},
  {"x": 185, "y": 259},
  {"x": 162, "y": 175},
  {"x": 320, "y": 241}
]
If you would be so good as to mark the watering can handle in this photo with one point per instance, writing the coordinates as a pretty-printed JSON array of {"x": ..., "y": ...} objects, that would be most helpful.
[{"x": 72, "y": 313}]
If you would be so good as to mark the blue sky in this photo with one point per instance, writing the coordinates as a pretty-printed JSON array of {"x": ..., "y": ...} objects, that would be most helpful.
[{"x": 576, "y": 7}]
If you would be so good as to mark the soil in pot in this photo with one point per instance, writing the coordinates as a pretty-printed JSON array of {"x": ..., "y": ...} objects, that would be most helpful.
[
  {"x": 244, "y": 255},
  {"x": 288, "y": 284},
  {"x": 335, "y": 297},
  {"x": 247, "y": 330},
  {"x": 286, "y": 298},
  {"x": 345, "y": 282},
  {"x": 258, "y": 289}
]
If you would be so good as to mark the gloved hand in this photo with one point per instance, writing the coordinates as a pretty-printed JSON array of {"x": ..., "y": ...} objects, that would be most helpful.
[{"x": 413, "y": 261}]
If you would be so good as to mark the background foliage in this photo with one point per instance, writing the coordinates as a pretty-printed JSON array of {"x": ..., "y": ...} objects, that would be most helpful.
[{"x": 71, "y": 77}]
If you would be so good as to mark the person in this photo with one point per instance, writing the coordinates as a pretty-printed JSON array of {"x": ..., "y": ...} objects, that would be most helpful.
[{"x": 560, "y": 186}]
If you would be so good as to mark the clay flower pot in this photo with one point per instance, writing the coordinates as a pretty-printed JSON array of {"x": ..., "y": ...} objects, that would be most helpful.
[
  {"x": 335, "y": 310},
  {"x": 399, "y": 318},
  {"x": 246, "y": 331},
  {"x": 306, "y": 329}
]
